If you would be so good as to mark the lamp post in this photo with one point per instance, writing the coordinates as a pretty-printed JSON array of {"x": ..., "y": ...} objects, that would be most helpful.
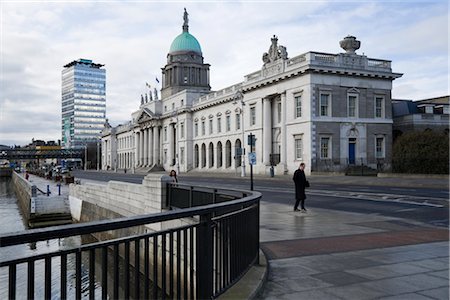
[
  {"x": 85, "y": 157},
  {"x": 239, "y": 97}
]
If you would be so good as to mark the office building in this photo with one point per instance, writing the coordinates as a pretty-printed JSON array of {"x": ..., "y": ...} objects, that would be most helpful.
[{"x": 83, "y": 103}]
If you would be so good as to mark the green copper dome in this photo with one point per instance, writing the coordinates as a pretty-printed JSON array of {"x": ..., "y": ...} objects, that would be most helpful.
[{"x": 185, "y": 42}]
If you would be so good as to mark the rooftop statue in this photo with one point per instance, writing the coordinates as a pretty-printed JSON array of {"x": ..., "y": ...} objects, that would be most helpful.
[{"x": 275, "y": 52}]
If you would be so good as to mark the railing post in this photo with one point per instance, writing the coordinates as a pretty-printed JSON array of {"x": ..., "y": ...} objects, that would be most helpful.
[
  {"x": 204, "y": 252},
  {"x": 191, "y": 195}
]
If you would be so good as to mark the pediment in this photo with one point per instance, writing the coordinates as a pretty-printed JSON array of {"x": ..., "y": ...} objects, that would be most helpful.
[
  {"x": 353, "y": 90},
  {"x": 145, "y": 115}
]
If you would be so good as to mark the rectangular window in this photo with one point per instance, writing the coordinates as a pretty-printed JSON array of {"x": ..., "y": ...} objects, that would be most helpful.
[
  {"x": 298, "y": 148},
  {"x": 279, "y": 111},
  {"x": 228, "y": 126},
  {"x": 352, "y": 101},
  {"x": 298, "y": 106},
  {"x": 210, "y": 126},
  {"x": 219, "y": 124},
  {"x": 379, "y": 107},
  {"x": 325, "y": 147},
  {"x": 173, "y": 106},
  {"x": 165, "y": 156},
  {"x": 196, "y": 129},
  {"x": 252, "y": 115},
  {"x": 203, "y": 128},
  {"x": 165, "y": 133},
  {"x": 238, "y": 121},
  {"x": 182, "y": 130},
  {"x": 379, "y": 147},
  {"x": 182, "y": 155},
  {"x": 325, "y": 104}
]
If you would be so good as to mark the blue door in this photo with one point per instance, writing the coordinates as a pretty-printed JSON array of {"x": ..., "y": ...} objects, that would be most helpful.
[{"x": 351, "y": 152}]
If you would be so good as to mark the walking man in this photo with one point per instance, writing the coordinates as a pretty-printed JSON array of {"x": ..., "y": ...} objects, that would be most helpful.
[{"x": 300, "y": 184}]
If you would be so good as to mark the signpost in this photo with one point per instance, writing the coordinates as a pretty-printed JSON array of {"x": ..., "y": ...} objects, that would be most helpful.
[{"x": 251, "y": 141}]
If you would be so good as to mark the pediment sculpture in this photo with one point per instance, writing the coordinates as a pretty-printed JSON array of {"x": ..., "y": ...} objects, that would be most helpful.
[{"x": 275, "y": 52}]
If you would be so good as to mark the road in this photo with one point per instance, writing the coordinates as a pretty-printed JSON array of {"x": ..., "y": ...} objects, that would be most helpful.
[{"x": 427, "y": 205}]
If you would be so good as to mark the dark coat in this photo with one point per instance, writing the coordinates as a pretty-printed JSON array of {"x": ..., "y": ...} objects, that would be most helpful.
[{"x": 300, "y": 184}]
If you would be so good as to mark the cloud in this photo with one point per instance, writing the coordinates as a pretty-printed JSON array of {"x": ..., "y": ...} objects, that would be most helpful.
[{"x": 132, "y": 40}]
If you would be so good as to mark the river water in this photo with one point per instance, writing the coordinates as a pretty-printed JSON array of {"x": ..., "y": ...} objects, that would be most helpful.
[{"x": 11, "y": 220}]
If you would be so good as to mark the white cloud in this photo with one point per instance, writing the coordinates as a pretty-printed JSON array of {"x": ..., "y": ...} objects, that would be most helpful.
[{"x": 132, "y": 40}]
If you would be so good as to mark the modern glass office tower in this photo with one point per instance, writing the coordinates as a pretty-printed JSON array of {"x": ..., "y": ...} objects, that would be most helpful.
[{"x": 83, "y": 103}]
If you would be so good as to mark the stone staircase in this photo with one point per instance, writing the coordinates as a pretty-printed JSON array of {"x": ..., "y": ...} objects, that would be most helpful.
[
  {"x": 50, "y": 211},
  {"x": 360, "y": 171}
]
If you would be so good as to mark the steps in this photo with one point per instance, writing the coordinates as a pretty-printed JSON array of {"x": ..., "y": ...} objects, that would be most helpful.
[{"x": 360, "y": 171}]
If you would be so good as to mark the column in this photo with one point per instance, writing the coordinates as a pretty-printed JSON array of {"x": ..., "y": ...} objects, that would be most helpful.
[
  {"x": 151, "y": 160},
  {"x": 142, "y": 148},
  {"x": 283, "y": 158},
  {"x": 267, "y": 131},
  {"x": 171, "y": 139},
  {"x": 136, "y": 149},
  {"x": 156, "y": 145},
  {"x": 145, "y": 147}
]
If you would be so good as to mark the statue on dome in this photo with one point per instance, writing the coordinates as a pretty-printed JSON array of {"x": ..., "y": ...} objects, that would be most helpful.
[{"x": 185, "y": 18}]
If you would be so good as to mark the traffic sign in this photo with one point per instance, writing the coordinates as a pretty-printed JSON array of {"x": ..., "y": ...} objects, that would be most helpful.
[{"x": 252, "y": 158}]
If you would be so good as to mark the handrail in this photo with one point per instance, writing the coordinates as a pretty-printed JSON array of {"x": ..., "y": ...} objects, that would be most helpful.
[{"x": 41, "y": 234}]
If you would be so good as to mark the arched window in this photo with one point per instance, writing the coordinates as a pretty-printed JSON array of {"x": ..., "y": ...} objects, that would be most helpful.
[
  {"x": 196, "y": 160},
  {"x": 219, "y": 155},
  {"x": 211, "y": 155},
  {"x": 228, "y": 154},
  {"x": 238, "y": 153},
  {"x": 203, "y": 156}
]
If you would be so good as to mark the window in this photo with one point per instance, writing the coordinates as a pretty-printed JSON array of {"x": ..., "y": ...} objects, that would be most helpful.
[
  {"x": 228, "y": 125},
  {"x": 210, "y": 126},
  {"x": 298, "y": 148},
  {"x": 165, "y": 133},
  {"x": 379, "y": 151},
  {"x": 352, "y": 104},
  {"x": 325, "y": 104},
  {"x": 203, "y": 128},
  {"x": 173, "y": 106},
  {"x": 219, "y": 124},
  {"x": 181, "y": 155},
  {"x": 279, "y": 111},
  {"x": 182, "y": 130},
  {"x": 165, "y": 156},
  {"x": 379, "y": 107},
  {"x": 238, "y": 121},
  {"x": 298, "y": 106},
  {"x": 325, "y": 147},
  {"x": 252, "y": 115},
  {"x": 428, "y": 109},
  {"x": 165, "y": 107},
  {"x": 182, "y": 102},
  {"x": 196, "y": 129}
]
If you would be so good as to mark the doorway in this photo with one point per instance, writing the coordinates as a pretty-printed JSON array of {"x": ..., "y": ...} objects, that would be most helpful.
[{"x": 351, "y": 150}]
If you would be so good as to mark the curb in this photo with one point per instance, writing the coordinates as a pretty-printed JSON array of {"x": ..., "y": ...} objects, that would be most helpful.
[{"x": 251, "y": 284}]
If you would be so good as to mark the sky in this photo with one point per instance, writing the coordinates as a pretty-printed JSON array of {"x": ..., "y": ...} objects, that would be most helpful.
[{"x": 132, "y": 39}]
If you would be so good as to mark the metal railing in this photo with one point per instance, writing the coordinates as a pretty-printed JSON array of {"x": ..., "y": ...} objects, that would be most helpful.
[{"x": 196, "y": 261}]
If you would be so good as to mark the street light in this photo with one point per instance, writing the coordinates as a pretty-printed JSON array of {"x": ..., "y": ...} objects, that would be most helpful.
[{"x": 239, "y": 97}]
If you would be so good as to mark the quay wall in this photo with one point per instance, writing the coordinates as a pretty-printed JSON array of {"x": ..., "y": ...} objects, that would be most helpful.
[
  {"x": 94, "y": 202},
  {"x": 26, "y": 194}
]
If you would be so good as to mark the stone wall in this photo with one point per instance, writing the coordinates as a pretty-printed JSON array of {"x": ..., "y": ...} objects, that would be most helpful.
[
  {"x": 25, "y": 193},
  {"x": 93, "y": 202}
]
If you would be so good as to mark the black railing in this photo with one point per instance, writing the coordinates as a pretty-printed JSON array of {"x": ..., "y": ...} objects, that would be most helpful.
[{"x": 196, "y": 261}]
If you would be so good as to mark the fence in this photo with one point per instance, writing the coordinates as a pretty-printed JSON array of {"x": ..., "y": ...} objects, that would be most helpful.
[{"x": 196, "y": 261}]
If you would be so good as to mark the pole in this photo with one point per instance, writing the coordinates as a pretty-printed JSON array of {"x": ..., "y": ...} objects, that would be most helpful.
[
  {"x": 243, "y": 141},
  {"x": 85, "y": 157},
  {"x": 251, "y": 165},
  {"x": 98, "y": 156}
]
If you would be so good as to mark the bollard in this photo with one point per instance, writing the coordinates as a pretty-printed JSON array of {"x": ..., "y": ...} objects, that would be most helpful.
[
  {"x": 59, "y": 189},
  {"x": 48, "y": 190}
]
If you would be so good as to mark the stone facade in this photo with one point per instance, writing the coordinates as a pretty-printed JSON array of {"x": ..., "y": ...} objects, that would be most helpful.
[{"x": 327, "y": 110}]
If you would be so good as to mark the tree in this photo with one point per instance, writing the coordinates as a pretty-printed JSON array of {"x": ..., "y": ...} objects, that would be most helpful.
[{"x": 424, "y": 152}]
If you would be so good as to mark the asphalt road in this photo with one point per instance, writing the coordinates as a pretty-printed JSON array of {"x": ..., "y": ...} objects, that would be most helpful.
[{"x": 428, "y": 205}]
